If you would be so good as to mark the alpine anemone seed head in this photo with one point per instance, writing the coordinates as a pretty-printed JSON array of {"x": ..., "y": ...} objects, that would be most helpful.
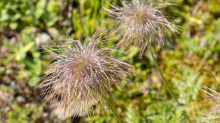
[
  {"x": 81, "y": 73},
  {"x": 140, "y": 23},
  {"x": 213, "y": 114}
]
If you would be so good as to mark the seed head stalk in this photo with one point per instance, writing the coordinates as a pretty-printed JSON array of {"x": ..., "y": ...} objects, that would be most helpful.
[
  {"x": 164, "y": 81},
  {"x": 114, "y": 112}
]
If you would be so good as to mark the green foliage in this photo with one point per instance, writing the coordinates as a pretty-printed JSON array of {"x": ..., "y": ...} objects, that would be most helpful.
[
  {"x": 165, "y": 114},
  {"x": 20, "y": 51},
  {"x": 17, "y": 14},
  {"x": 145, "y": 100},
  {"x": 88, "y": 16},
  {"x": 131, "y": 115},
  {"x": 31, "y": 62},
  {"x": 21, "y": 115},
  {"x": 187, "y": 84}
]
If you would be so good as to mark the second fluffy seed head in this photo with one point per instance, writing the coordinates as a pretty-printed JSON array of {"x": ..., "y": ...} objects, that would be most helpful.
[{"x": 140, "y": 23}]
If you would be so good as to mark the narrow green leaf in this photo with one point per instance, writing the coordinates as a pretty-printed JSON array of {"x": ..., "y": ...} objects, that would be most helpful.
[
  {"x": 9, "y": 46},
  {"x": 28, "y": 47}
]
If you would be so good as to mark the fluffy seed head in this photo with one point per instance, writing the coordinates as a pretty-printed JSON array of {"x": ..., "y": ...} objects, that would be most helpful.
[
  {"x": 213, "y": 114},
  {"x": 81, "y": 73},
  {"x": 141, "y": 21}
]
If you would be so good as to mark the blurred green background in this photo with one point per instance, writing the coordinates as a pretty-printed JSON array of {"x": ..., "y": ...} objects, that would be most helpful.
[{"x": 187, "y": 62}]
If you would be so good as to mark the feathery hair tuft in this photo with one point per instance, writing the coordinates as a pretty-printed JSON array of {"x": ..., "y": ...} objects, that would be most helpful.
[
  {"x": 213, "y": 114},
  {"x": 140, "y": 23},
  {"x": 82, "y": 72}
]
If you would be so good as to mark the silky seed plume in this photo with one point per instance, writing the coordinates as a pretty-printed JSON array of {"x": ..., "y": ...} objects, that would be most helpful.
[
  {"x": 81, "y": 73},
  {"x": 140, "y": 24}
]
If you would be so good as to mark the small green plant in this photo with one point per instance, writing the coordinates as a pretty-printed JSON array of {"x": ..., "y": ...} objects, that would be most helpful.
[
  {"x": 29, "y": 114},
  {"x": 18, "y": 14},
  {"x": 26, "y": 53},
  {"x": 187, "y": 84},
  {"x": 131, "y": 115}
]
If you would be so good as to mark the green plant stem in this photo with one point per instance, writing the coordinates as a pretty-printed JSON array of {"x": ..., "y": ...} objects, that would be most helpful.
[
  {"x": 164, "y": 81},
  {"x": 112, "y": 108}
]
